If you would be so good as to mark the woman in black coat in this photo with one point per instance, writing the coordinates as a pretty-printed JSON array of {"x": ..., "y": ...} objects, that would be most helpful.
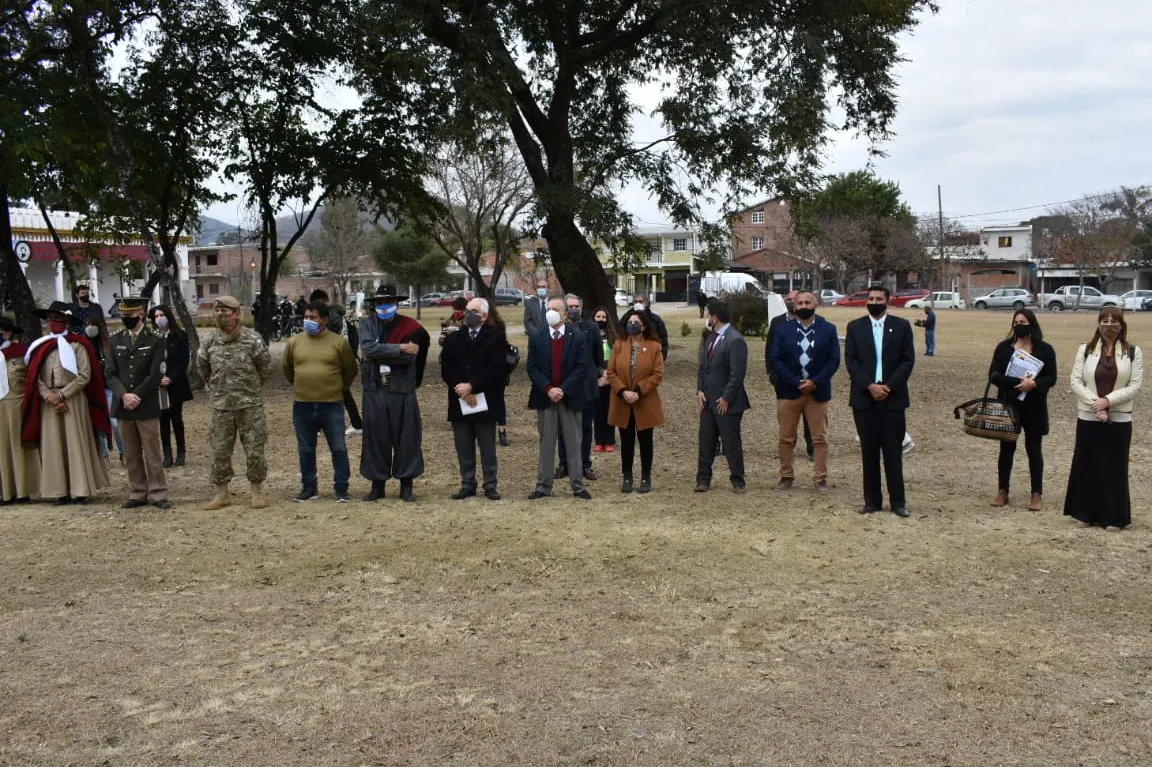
[
  {"x": 175, "y": 387},
  {"x": 1026, "y": 336}
]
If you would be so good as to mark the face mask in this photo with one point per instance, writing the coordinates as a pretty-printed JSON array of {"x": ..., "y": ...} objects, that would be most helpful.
[
  {"x": 805, "y": 314},
  {"x": 602, "y": 323},
  {"x": 635, "y": 328},
  {"x": 553, "y": 318},
  {"x": 574, "y": 315},
  {"x": 473, "y": 320},
  {"x": 1021, "y": 331},
  {"x": 130, "y": 322},
  {"x": 457, "y": 315},
  {"x": 161, "y": 322},
  {"x": 92, "y": 331},
  {"x": 638, "y": 306},
  {"x": 877, "y": 310},
  {"x": 386, "y": 311},
  {"x": 311, "y": 327},
  {"x": 56, "y": 327},
  {"x": 82, "y": 298},
  {"x": 542, "y": 292},
  {"x": 790, "y": 307},
  {"x": 1110, "y": 332}
]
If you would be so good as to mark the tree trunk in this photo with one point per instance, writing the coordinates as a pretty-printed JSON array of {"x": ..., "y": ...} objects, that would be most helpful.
[
  {"x": 15, "y": 293},
  {"x": 576, "y": 264}
]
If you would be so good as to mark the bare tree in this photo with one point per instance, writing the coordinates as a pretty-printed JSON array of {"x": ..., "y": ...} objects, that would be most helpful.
[
  {"x": 842, "y": 249},
  {"x": 484, "y": 192},
  {"x": 1093, "y": 236},
  {"x": 343, "y": 245}
]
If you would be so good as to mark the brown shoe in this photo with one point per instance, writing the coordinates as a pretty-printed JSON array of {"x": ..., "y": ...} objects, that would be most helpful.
[
  {"x": 785, "y": 483},
  {"x": 740, "y": 489},
  {"x": 1001, "y": 499},
  {"x": 1036, "y": 504},
  {"x": 821, "y": 488},
  {"x": 258, "y": 501},
  {"x": 702, "y": 488},
  {"x": 221, "y": 500}
]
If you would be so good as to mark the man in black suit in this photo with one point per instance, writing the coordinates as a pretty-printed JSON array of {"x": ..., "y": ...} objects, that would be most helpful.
[
  {"x": 472, "y": 364},
  {"x": 721, "y": 397},
  {"x": 596, "y": 365},
  {"x": 558, "y": 368},
  {"x": 773, "y": 326},
  {"x": 535, "y": 308},
  {"x": 879, "y": 353}
]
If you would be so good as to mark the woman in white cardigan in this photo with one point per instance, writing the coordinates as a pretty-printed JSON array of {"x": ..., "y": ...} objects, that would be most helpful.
[{"x": 1106, "y": 376}]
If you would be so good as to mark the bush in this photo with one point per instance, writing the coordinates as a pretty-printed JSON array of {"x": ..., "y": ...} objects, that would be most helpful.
[
  {"x": 685, "y": 330},
  {"x": 749, "y": 313}
]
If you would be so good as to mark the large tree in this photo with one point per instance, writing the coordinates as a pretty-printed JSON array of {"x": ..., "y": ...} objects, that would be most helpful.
[
  {"x": 411, "y": 257},
  {"x": 343, "y": 245},
  {"x": 1092, "y": 235},
  {"x": 744, "y": 96}
]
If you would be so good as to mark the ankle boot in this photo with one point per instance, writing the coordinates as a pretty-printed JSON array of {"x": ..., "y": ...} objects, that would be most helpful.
[
  {"x": 179, "y": 459},
  {"x": 257, "y": 501},
  {"x": 167, "y": 459},
  {"x": 221, "y": 499},
  {"x": 376, "y": 492},
  {"x": 406, "y": 491},
  {"x": 645, "y": 485}
]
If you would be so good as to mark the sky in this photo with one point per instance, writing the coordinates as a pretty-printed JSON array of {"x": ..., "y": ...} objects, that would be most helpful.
[{"x": 1010, "y": 106}]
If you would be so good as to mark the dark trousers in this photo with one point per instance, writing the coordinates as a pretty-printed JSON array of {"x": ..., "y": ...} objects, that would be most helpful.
[
  {"x": 882, "y": 434},
  {"x": 172, "y": 422},
  {"x": 720, "y": 428},
  {"x": 354, "y": 419},
  {"x": 628, "y": 439},
  {"x": 308, "y": 418},
  {"x": 469, "y": 434},
  {"x": 1032, "y": 445},
  {"x": 587, "y": 418},
  {"x": 605, "y": 433}
]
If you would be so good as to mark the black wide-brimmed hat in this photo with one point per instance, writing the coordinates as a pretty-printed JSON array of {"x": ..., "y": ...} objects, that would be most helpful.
[
  {"x": 386, "y": 294},
  {"x": 9, "y": 325},
  {"x": 60, "y": 307}
]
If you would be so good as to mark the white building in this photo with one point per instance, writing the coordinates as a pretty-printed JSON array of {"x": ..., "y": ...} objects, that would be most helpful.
[
  {"x": 108, "y": 268},
  {"x": 1006, "y": 243}
]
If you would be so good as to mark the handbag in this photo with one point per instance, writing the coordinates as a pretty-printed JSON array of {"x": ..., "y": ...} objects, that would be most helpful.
[
  {"x": 989, "y": 418},
  {"x": 512, "y": 360}
]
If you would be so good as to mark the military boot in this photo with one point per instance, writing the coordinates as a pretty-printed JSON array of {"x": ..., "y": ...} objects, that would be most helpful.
[
  {"x": 258, "y": 501},
  {"x": 221, "y": 500}
]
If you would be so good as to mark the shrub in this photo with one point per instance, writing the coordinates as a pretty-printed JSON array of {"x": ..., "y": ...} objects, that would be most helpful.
[
  {"x": 749, "y": 313},
  {"x": 685, "y": 330}
]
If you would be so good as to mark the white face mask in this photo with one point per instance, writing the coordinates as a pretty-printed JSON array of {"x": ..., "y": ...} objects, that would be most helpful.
[
  {"x": 553, "y": 318},
  {"x": 639, "y": 306}
]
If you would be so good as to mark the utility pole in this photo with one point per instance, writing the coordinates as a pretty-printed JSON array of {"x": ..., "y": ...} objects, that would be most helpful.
[{"x": 941, "y": 259}]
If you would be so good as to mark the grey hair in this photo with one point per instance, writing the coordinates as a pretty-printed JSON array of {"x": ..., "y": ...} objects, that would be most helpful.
[
  {"x": 483, "y": 305},
  {"x": 569, "y": 296}
]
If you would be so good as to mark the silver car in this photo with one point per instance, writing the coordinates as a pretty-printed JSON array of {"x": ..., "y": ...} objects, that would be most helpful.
[{"x": 1005, "y": 298}]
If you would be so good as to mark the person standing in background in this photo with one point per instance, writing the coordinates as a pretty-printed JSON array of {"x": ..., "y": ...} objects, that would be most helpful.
[
  {"x": 640, "y": 304},
  {"x": 175, "y": 388},
  {"x": 105, "y": 443},
  {"x": 85, "y": 313},
  {"x": 19, "y": 465},
  {"x": 604, "y": 433},
  {"x": 721, "y": 398},
  {"x": 929, "y": 325},
  {"x": 536, "y": 308}
]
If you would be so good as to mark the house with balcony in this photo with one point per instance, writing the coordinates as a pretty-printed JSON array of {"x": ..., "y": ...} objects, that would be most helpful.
[{"x": 665, "y": 270}]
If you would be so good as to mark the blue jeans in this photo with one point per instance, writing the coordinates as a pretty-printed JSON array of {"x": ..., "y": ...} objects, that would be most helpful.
[
  {"x": 308, "y": 418},
  {"x": 930, "y": 342}
]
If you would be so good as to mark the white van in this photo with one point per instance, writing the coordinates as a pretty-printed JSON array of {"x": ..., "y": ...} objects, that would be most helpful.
[{"x": 713, "y": 283}]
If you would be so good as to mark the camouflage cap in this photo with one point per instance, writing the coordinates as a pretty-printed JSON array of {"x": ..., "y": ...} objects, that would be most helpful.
[{"x": 228, "y": 302}]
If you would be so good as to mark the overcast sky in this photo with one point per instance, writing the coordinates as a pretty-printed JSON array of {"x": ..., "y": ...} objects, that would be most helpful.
[{"x": 1006, "y": 104}]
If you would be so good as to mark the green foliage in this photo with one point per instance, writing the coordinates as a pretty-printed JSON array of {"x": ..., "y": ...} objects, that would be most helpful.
[
  {"x": 749, "y": 312},
  {"x": 410, "y": 257},
  {"x": 685, "y": 330},
  {"x": 857, "y": 195}
]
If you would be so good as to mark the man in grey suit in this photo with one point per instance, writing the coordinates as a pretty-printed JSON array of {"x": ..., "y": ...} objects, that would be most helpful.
[
  {"x": 721, "y": 397},
  {"x": 536, "y": 308}
]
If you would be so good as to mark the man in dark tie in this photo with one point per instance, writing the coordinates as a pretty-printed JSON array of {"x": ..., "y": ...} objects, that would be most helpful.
[
  {"x": 879, "y": 353},
  {"x": 721, "y": 397},
  {"x": 536, "y": 308},
  {"x": 558, "y": 368}
]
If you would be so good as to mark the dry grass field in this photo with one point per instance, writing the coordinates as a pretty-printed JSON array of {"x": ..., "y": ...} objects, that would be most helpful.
[{"x": 668, "y": 629}]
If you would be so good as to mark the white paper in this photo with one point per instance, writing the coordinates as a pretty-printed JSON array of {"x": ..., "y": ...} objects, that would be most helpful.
[
  {"x": 385, "y": 370},
  {"x": 480, "y": 407},
  {"x": 1023, "y": 365}
]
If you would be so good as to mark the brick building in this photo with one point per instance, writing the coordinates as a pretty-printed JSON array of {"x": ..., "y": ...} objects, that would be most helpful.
[{"x": 765, "y": 225}]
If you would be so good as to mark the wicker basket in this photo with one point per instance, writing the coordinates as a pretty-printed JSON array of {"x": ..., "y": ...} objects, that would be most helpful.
[{"x": 989, "y": 418}]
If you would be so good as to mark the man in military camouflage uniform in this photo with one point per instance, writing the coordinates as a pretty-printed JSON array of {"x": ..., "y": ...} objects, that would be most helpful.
[{"x": 235, "y": 363}]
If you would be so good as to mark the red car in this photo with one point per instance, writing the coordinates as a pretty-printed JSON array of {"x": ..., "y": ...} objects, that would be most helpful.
[
  {"x": 448, "y": 299},
  {"x": 859, "y": 298},
  {"x": 902, "y": 297}
]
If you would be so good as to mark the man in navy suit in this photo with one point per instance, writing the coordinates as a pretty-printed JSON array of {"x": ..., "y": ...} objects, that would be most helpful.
[
  {"x": 879, "y": 353},
  {"x": 804, "y": 356},
  {"x": 558, "y": 369},
  {"x": 721, "y": 397}
]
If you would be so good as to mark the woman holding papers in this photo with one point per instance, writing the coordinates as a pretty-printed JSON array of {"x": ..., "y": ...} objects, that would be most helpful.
[
  {"x": 1106, "y": 376},
  {"x": 1024, "y": 369},
  {"x": 635, "y": 371}
]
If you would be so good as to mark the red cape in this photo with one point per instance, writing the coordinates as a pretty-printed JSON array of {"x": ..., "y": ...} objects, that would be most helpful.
[
  {"x": 94, "y": 391},
  {"x": 15, "y": 350},
  {"x": 405, "y": 330}
]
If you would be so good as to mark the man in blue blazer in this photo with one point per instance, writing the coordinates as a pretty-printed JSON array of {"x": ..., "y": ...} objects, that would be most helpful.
[
  {"x": 805, "y": 355},
  {"x": 558, "y": 368}
]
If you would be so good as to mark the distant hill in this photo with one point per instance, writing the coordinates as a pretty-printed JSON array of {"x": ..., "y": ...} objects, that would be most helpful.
[{"x": 212, "y": 228}]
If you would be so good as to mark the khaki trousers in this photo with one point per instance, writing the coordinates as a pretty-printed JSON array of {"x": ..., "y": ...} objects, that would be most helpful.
[
  {"x": 144, "y": 459},
  {"x": 788, "y": 413}
]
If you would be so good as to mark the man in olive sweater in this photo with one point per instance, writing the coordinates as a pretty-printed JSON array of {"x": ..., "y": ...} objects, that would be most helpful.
[{"x": 320, "y": 366}]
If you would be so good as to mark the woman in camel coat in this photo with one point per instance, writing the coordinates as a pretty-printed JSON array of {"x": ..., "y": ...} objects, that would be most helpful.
[{"x": 634, "y": 372}]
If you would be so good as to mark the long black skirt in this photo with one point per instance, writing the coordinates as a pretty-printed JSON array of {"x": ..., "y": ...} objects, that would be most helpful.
[{"x": 1098, "y": 483}]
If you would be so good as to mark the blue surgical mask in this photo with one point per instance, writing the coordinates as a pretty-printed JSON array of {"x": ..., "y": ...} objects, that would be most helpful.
[
  {"x": 311, "y": 327},
  {"x": 386, "y": 311},
  {"x": 542, "y": 292}
]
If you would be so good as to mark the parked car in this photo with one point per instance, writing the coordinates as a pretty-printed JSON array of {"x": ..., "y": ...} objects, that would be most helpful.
[
  {"x": 1071, "y": 297},
  {"x": 431, "y": 299},
  {"x": 1146, "y": 305},
  {"x": 622, "y": 297},
  {"x": 1134, "y": 299},
  {"x": 942, "y": 299},
  {"x": 508, "y": 297},
  {"x": 1005, "y": 298},
  {"x": 829, "y": 297},
  {"x": 902, "y": 297},
  {"x": 446, "y": 299},
  {"x": 859, "y": 298}
]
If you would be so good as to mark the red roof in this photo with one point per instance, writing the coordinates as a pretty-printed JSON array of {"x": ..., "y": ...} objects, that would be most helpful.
[{"x": 43, "y": 250}]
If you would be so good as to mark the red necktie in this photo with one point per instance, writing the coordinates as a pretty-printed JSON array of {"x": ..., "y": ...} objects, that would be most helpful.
[{"x": 712, "y": 346}]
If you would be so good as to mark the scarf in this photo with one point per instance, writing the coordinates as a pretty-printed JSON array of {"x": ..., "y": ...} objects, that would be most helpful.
[
  {"x": 67, "y": 353},
  {"x": 30, "y": 410},
  {"x": 11, "y": 351},
  {"x": 403, "y": 329}
]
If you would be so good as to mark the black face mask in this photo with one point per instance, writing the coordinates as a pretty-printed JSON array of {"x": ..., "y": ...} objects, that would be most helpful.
[
  {"x": 574, "y": 315},
  {"x": 877, "y": 310},
  {"x": 805, "y": 314},
  {"x": 635, "y": 328},
  {"x": 602, "y": 323},
  {"x": 130, "y": 322},
  {"x": 1022, "y": 331}
]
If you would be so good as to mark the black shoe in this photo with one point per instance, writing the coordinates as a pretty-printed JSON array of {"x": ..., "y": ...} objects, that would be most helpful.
[
  {"x": 376, "y": 493},
  {"x": 538, "y": 494},
  {"x": 626, "y": 485},
  {"x": 63, "y": 500},
  {"x": 343, "y": 497},
  {"x": 901, "y": 511},
  {"x": 464, "y": 492},
  {"x": 23, "y": 499},
  {"x": 132, "y": 503},
  {"x": 590, "y": 475},
  {"x": 866, "y": 509},
  {"x": 645, "y": 485},
  {"x": 167, "y": 462},
  {"x": 305, "y": 494},
  {"x": 583, "y": 494},
  {"x": 491, "y": 494},
  {"x": 560, "y": 473},
  {"x": 80, "y": 500},
  {"x": 406, "y": 494},
  {"x": 503, "y": 438},
  {"x": 179, "y": 460},
  {"x": 165, "y": 505}
]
